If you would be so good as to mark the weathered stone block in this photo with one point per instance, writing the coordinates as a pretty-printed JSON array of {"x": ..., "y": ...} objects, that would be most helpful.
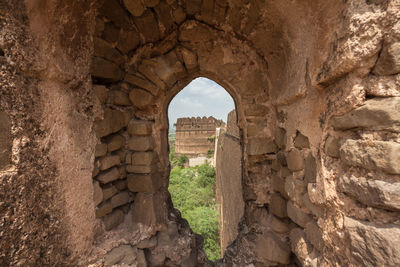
[
  {"x": 109, "y": 161},
  {"x": 372, "y": 245},
  {"x": 120, "y": 199},
  {"x": 189, "y": 59},
  {"x": 141, "y": 143},
  {"x": 310, "y": 170},
  {"x": 280, "y": 137},
  {"x": 113, "y": 220},
  {"x": 164, "y": 15},
  {"x": 100, "y": 91},
  {"x": 276, "y": 224},
  {"x": 146, "y": 68},
  {"x": 148, "y": 26},
  {"x": 389, "y": 60},
  {"x": 135, "y": 7},
  {"x": 109, "y": 191},
  {"x": 278, "y": 184},
  {"x": 270, "y": 247},
  {"x": 100, "y": 150},
  {"x": 95, "y": 171},
  {"x": 149, "y": 209},
  {"x": 197, "y": 33},
  {"x": 108, "y": 176},
  {"x": 314, "y": 234},
  {"x": 104, "y": 209},
  {"x": 376, "y": 114},
  {"x": 260, "y": 146},
  {"x": 150, "y": 3},
  {"x": 142, "y": 83},
  {"x": 282, "y": 159},
  {"x": 141, "y": 259},
  {"x": 300, "y": 245},
  {"x": 207, "y": 11},
  {"x": 141, "y": 169},
  {"x": 277, "y": 205},
  {"x": 137, "y": 127},
  {"x": 179, "y": 15},
  {"x": 105, "y": 69},
  {"x": 314, "y": 209},
  {"x": 193, "y": 7},
  {"x": 169, "y": 68},
  {"x": 121, "y": 184},
  {"x": 114, "y": 120},
  {"x": 118, "y": 97},
  {"x": 372, "y": 155},
  {"x": 97, "y": 193},
  {"x": 332, "y": 147},
  {"x": 301, "y": 141},
  {"x": 110, "y": 33},
  {"x": 116, "y": 142},
  {"x": 141, "y": 98},
  {"x": 148, "y": 243},
  {"x": 128, "y": 40},
  {"x": 122, "y": 254},
  {"x": 295, "y": 160},
  {"x": 294, "y": 189},
  {"x": 296, "y": 215},
  {"x": 256, "y": 110},
  {"x": 5, "y": 140},
  {"x": 144, "y": 158},
  {"x": 99, "y": 28},
  {"x": 113, "y": 10},
  {"x": 104, "y": 50},
  {"x": 373, "y": 193}
]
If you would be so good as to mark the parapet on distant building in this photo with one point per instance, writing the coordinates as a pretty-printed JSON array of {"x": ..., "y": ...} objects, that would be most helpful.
[{"x": 196, "y": 136}]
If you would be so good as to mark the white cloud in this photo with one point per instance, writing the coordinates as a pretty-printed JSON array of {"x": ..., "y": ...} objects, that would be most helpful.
[{"x": 202, "y": 97}]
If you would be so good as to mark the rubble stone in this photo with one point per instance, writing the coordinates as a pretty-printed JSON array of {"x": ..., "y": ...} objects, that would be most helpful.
[
  {"x": 294, "y": 160},
  {"x": 113, "y": 219},
  {"x": 389, "y": 60},
  {"x": 141, "y": 143},
  {"x": 109, "y": 161},
  {"x": 372, "y": 245},
  {"x": 260, "y": 146},
  {"x": 374, "y": 193},
  {"x": 109, "y": 176},
  {"x": 269, "y": 247},
  {"x": 137, "y": 127},
  {"x": 296, "y": 215},
  {"x": 375, "y": 114},
  {"x": 372, "y": 155}
]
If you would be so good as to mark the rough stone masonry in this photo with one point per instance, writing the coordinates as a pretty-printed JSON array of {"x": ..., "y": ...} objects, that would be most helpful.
[{"x": 85, "y": 87}]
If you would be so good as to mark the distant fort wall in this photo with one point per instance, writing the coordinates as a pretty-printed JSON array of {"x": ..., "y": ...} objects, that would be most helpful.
[{"x": 196, "y": 136}]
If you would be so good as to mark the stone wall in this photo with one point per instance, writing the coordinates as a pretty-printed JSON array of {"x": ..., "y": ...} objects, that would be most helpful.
[
  {"x": 195, "y": 136},
  {"x": 229, "y": 181},
  {"x": 316, "y": 88}
]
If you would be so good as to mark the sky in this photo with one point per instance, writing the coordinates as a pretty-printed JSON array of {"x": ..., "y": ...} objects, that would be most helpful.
[{"x": 202, "y": 97}]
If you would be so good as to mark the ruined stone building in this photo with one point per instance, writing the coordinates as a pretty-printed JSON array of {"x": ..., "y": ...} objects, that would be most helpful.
[
  {"x": 84, "y": 91},
  {"x": 195, "y": 137}
]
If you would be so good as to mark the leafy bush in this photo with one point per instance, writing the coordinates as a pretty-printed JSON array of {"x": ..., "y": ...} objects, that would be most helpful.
[{"x": 193, "y": 193}]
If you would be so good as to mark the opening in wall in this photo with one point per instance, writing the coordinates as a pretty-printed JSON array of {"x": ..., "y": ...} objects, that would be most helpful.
[{"x": 205, "y": 157}]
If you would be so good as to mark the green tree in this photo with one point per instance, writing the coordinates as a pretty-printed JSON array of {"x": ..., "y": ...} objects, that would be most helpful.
[{"x": 193, "y": 193}]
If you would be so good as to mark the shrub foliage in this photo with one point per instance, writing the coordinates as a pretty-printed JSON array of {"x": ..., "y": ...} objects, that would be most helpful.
[{"x": 193, "y": 193}]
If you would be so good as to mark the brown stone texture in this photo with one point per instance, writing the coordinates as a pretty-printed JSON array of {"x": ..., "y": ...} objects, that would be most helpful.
[
  {"x": 75, "y": 73},
  {"x": 5, "y": 140}
]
